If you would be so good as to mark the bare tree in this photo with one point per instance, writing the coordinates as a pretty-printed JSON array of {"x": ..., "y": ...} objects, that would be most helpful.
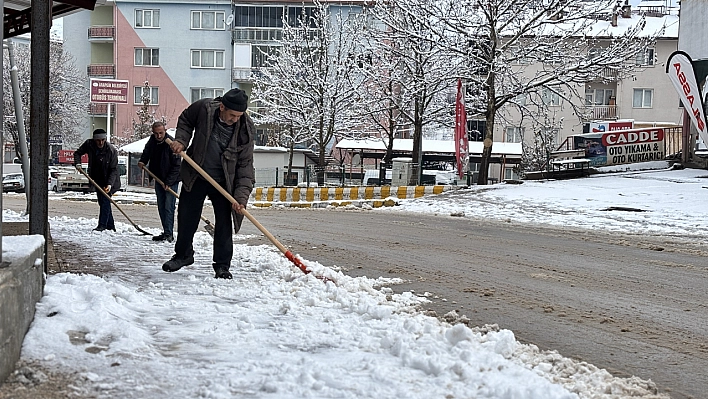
[
  {"x": 424, "y": 72},
  {"x": 381, "y": 98},
  {"x": 306, "y": 85},
  {"x": 68, "y": 98},
  {"x": 535, "y": 51}
]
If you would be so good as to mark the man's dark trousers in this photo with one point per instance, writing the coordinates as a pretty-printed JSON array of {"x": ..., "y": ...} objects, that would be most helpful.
[
  {"x": 166, "y": 206},
  {"x": 188, "y": 217},
  {"x": 105, "y": 214}
]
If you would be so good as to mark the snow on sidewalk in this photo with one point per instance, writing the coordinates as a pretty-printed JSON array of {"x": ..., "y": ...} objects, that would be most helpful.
[{"x": 273, "y": 332}]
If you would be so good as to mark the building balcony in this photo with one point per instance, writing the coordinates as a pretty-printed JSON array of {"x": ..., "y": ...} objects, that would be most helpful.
[
  {"x": 606, "y": 74},
  {"x": 101, "y": 34},
  {"x": 600, "y": 112},
  {"x": 250, "y": 35},
  {"x": 102, "y": 70},
  {"x": 244, "y": 75},
  {"x": 100, "y": 109}
]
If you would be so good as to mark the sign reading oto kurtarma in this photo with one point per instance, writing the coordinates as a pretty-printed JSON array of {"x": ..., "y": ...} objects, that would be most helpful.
[
  {"x": 109, "y": 91},
  {"x": 622, "y": 146}
]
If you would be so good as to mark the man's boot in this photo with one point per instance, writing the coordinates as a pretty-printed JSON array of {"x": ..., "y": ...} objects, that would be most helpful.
[
  {"x": 177, "y": 262},
  {"x": 222, "y": 272}
]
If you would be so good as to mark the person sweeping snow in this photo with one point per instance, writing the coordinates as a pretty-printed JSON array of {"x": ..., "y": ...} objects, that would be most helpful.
[
  {"x": 164, "y": 164},
  {"x": 222, "y": 142}
]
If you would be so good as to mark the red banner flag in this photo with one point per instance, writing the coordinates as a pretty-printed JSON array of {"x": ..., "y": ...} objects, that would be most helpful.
[{"x": 461, "y": 141}]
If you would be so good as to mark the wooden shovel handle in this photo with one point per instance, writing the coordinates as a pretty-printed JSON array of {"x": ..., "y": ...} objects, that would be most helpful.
[{"x": 245, "y": 213}]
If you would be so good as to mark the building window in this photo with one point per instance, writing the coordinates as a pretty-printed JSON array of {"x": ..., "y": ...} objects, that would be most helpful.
[
  {"x": 258, "y": 17},
  {"x": 551, "y": 135},
  {"x": 510, "y": 174},
  {"x": 147, "y": 18},
  {"x": 207, "y": 58},
  {"x": 514, "y": 134},
  {"x": 147, "y": 57},
  {"x": 208, "y": 20},
  {"x": 645, "y": 58},
  {"x": 149, "y": 92},
  {"x": 260, "y": 55},
  {"x": 594, "y": 52},
  {"x": 297, "y": 13},
  {"x": 598, "y": 96},
  {"x": 553, "y": 58},
  {"x": 642, "y": 98},
  {"x": 550, "y": 97},
  {"x": 205, "y": 92}
]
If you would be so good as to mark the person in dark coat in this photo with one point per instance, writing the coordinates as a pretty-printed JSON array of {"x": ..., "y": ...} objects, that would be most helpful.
[
  {"x": 164, "y": 164},
  {"x": 103, "y": 169},
  {"x": 222, "y": 142}
]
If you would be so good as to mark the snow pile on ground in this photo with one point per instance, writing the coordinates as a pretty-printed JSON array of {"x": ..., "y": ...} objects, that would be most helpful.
[
  {"x": 273, "y": 332},
  {"x": 657, "y": 202}
]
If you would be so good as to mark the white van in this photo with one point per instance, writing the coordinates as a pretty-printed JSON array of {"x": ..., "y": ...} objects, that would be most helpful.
[{"x": 371, "y": 178}]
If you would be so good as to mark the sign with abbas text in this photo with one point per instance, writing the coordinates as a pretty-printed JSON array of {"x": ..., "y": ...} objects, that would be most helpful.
[
  {"x": 109, "y": 91},
  {"x": 622, "y": 146}
]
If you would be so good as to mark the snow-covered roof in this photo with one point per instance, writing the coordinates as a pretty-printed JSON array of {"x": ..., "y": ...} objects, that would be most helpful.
[
  {"x": 262, "y": 148},
  {"x": 139, "y": 146},
  {"x": 651, "y": 3},
  {"x": 601, "y": 26},
  {"x": 429, "y": 146},
  {"x": 135, "y": 146},
  {"x": 653, "y": 24}
]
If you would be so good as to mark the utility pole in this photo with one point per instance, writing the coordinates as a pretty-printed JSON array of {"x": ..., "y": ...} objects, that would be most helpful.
[{"x": 20, "y": 121}]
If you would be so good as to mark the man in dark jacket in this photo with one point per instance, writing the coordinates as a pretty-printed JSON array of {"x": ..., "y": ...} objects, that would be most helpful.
[
  {"x": 164, "y": 164},
  {"x": 221, "y": 135},
  {"x": 103, "y": 169}
]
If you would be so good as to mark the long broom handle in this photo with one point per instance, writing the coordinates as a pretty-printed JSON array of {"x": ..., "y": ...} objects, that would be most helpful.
[
  {"x": 170, "y": 190},
  {"x": 111, "y": 199},
  {"x": 159, "y": 181},
  {"x": 253, "y": 220}
]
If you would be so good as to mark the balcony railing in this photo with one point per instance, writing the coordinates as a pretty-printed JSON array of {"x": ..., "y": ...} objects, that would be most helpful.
[
  {"x": 101, "y": 70},
  {"x": 102, "y": 32},
  {"x": 249, "y": 35},
  {"x": 100, "y": 109},
  {"x": 244, "y": 74},
  {"x": 601, "y": 112}
]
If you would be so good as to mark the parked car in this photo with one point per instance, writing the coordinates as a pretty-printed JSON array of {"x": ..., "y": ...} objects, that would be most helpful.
[
  {"x": 52, "y": 179},
  {"x": 13, "y": 182}
]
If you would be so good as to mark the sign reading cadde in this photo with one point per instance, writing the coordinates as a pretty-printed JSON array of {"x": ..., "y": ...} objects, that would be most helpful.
[{"x": 109, "y": 91}]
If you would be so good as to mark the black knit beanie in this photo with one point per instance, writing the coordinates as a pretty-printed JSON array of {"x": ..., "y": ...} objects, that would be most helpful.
[{"x": 235, "y": 99}]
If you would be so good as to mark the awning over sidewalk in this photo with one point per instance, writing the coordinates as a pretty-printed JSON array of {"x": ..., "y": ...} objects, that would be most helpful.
[{"x": 17, "y": 14}]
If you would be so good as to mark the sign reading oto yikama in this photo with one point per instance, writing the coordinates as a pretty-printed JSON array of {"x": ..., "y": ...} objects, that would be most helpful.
[
  {"x": 622, "y": 146},
  {"x": 109, "y": 91}
]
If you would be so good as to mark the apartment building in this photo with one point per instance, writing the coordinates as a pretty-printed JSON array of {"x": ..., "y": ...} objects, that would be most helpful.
[
  {"x": 645, "y": 98},
  {"x": 184, "y": 50}
]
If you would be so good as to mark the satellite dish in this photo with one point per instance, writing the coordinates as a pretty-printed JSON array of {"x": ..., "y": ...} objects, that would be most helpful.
[
  {"x": 229, "y": 19},
  {"x": 356, "y": 159}
]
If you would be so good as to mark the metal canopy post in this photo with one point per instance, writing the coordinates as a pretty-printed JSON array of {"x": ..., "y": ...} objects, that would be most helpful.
[{"x": 41, "y": 21}]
